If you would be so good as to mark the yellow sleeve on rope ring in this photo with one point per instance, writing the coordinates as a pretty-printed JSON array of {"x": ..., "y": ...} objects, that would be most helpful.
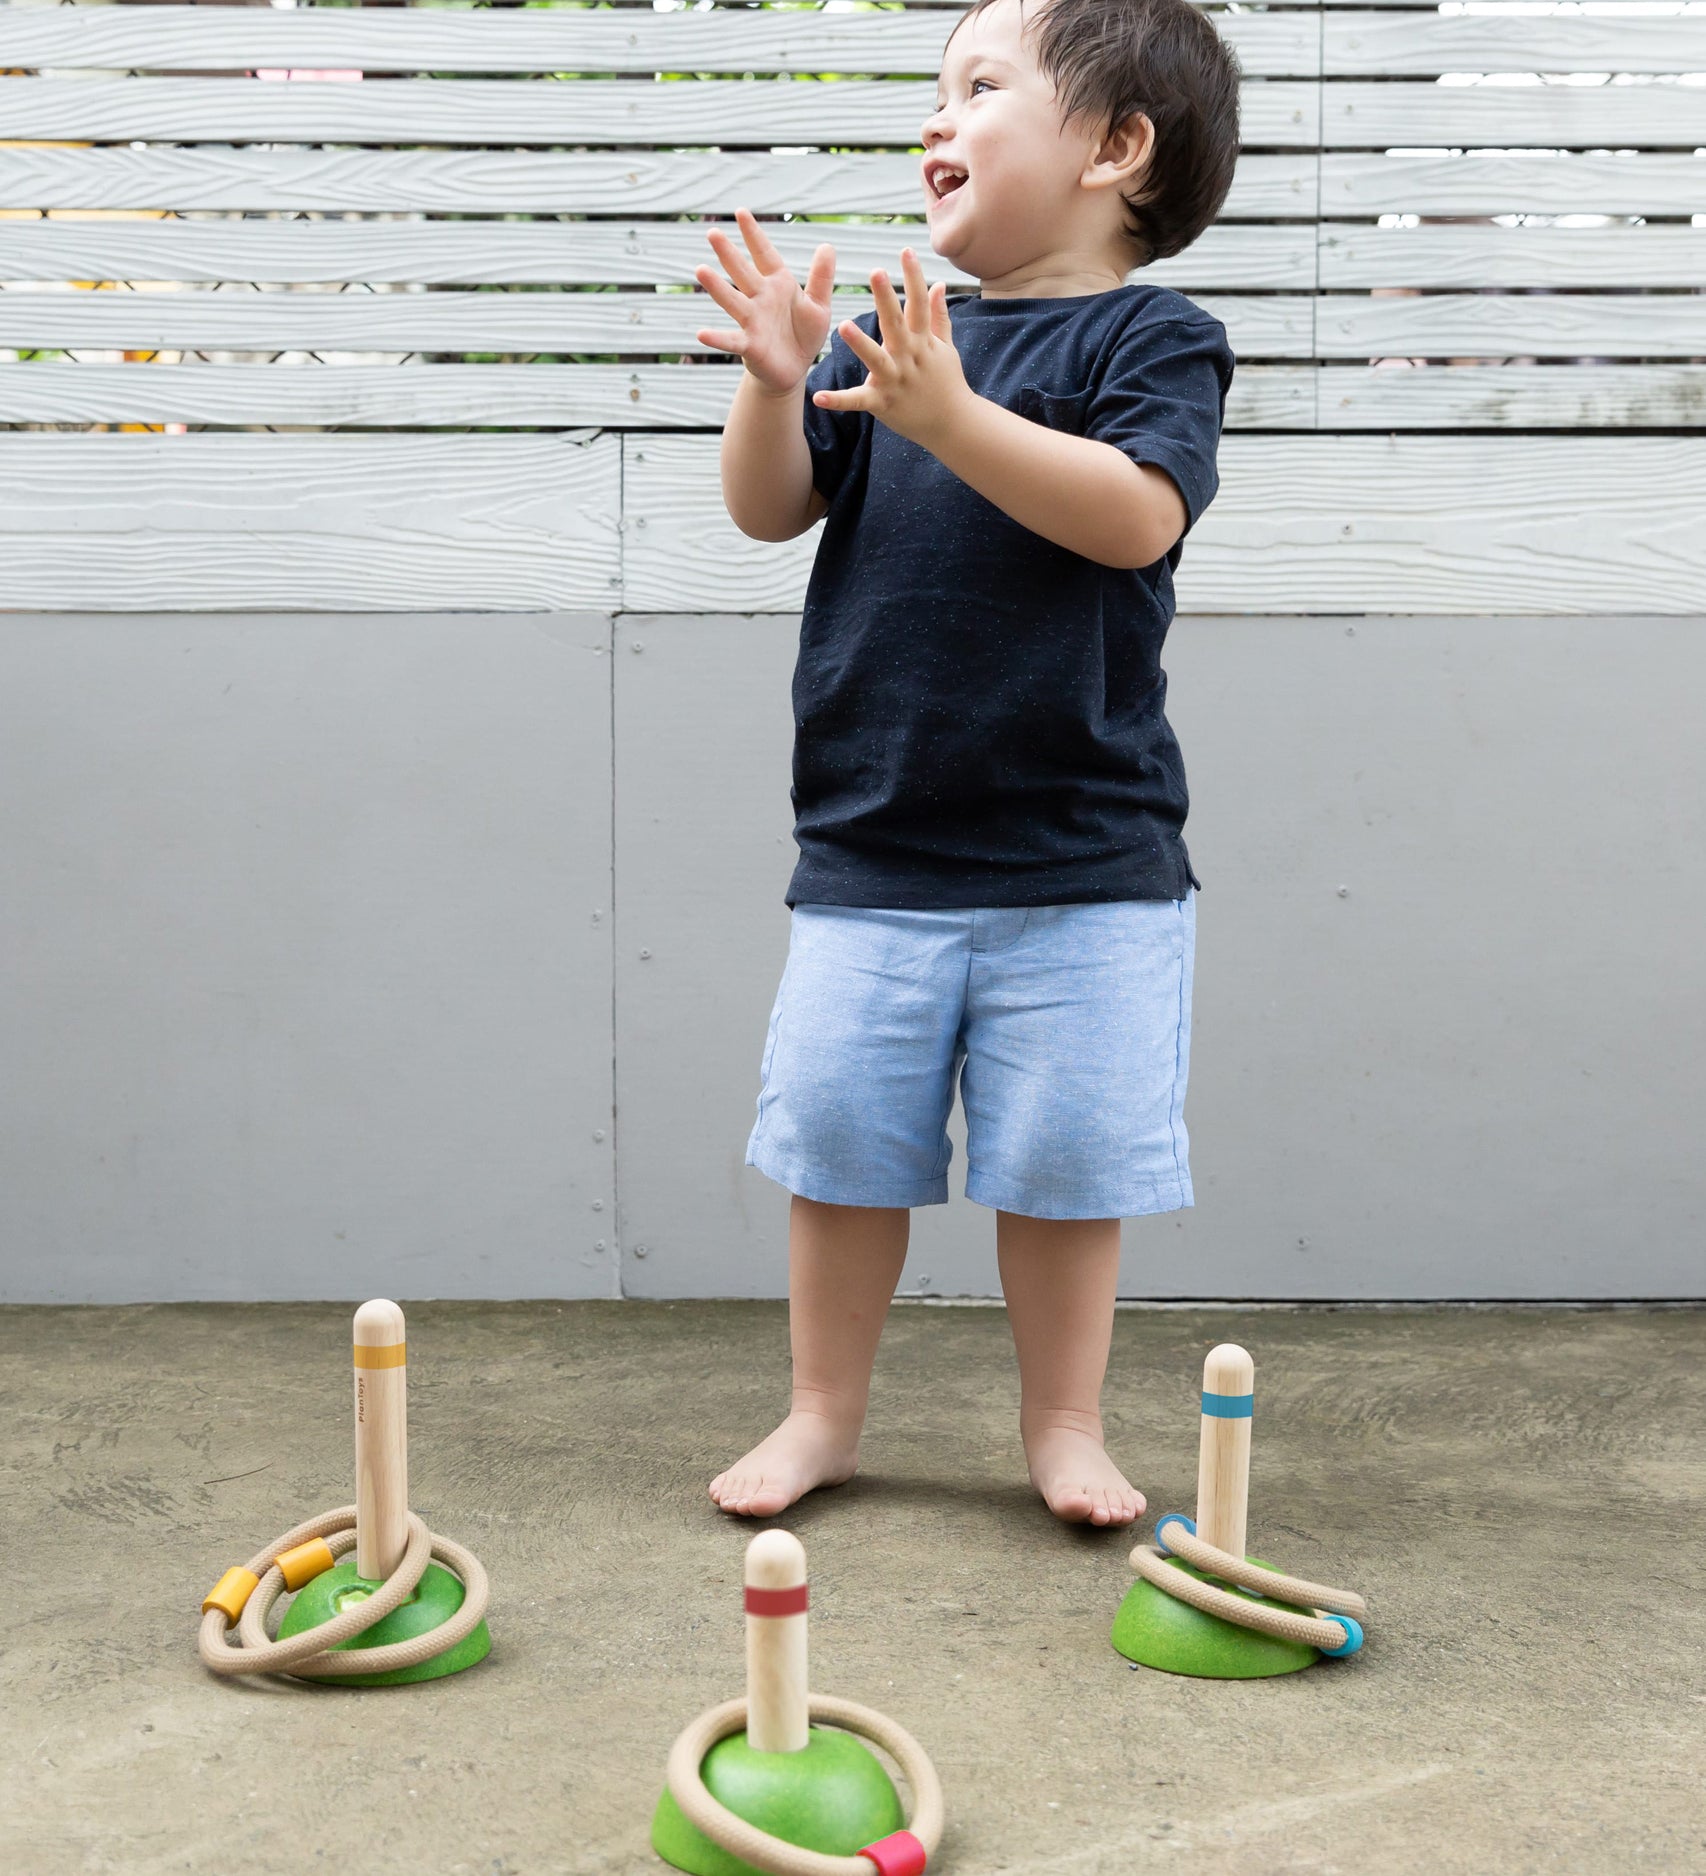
[
  {"x": 305, "y": 1562},
  {"x": 230, "y": 1593}
]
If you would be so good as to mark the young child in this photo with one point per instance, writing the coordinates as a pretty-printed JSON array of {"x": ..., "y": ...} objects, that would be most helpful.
[{"x": 992, "y": 886}]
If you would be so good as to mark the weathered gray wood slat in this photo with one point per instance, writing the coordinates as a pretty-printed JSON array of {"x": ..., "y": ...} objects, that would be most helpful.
[
  {"x": 481, "y": 253},
  {"x": 1420, "y": 44},
  {"x": 1254, "y": 258},
  {"x": 639, "y": 397},
  {"x": 197, "y": 39},
  {"x": 1513, "y": 397},
  {"x": 625, "y": 182},
  {"x": 1353, "y": 256},
  {"x": 210, "y": 39},
  {"x": 313, "y": 523},
  {"x": 204, "y": 319},
  {"x": 1408, "y": 524},
  {"x": 309, "y": 523},
  {"x": 1273, "y": 397},
  {"x": 1275, "y": 112},
  {"x": 1553, "y": 325},
  {"x": 1581, "y": 183},
  {"x": 374, "y": 397},
  {"x": 1356, "y": 116}
]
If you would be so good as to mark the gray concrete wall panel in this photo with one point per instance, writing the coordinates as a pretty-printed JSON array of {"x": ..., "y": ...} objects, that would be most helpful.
[
  {"x": 304, "y": 957},
  {"x": 704, "y": 840},
  {"x": 1449, "y": 1003},
  {"x": 312, "y": 972},
  {"x": 1448, "y": 1017},
  {"x": 704, "y": 730}
]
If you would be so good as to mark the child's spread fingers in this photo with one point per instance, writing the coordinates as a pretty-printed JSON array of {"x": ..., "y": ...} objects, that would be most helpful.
[
  {"x": 763, "y": 248},
  {"x": 739, "y": 269},
  {"x": 917, "y": 292},
  {"x": 863, "y": 346},
  {"x": 820, "y": 281},
  {"x": 723, "y": 341},
  {"x": 940, "y": 322},
  {"x": 728, "y": 297},
  {"x": 890, "y": 318}
]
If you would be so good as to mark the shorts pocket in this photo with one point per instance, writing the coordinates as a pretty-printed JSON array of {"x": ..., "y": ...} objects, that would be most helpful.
[{"x": 770, "y": 1042}]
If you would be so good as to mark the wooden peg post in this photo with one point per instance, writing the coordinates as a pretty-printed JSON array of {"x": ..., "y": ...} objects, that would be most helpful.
[
  {"x": 776, "y": 1718},
  {"x": 1223, "y": 1462},
  {"x": 381, "y": 1440}
]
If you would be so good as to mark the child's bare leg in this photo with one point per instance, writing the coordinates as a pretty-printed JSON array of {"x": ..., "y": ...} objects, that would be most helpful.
[
  {"x": 1059, "y": 1277},
  {"x": 843, "y": 1264}
]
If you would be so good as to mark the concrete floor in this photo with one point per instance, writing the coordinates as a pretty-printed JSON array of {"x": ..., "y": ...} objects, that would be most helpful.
[{"x": 1517, "y": 1492}]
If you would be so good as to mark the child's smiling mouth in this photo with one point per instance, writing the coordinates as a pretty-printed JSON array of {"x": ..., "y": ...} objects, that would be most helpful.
[{"x": 942, "y": 178}]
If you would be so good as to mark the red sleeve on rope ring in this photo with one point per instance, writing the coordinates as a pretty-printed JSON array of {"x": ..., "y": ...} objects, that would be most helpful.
[
  {"x": 899, "y": 1855},
  {"x": 778, "y": 1602}
]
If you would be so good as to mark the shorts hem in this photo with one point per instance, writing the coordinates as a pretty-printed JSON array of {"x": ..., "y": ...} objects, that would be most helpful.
[
  {"x": 1007, "y": 1195},
  {"x": 807, "y": 1182}
]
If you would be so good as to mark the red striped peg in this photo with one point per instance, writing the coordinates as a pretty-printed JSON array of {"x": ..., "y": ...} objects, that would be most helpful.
[{"x": 776, "y": 1716}]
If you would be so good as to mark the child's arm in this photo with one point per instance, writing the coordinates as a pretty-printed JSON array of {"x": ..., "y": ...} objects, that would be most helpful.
[
  {"x": 1072, "y": 490},
  {"x": 1081, "y": 493},
  {"x": 766, "y": 461}
]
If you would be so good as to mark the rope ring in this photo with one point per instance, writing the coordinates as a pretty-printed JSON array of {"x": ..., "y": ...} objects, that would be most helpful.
[
  {"x": 771, "y": 1854},
  {"x": 1332, "y": 1628},
  {"x": 308, "y": 1656},
  {"x": 1205, "y": 1556}
]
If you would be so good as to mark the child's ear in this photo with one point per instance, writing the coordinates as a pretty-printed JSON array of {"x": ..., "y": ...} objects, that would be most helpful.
[{"x": 1123, "y": 156}]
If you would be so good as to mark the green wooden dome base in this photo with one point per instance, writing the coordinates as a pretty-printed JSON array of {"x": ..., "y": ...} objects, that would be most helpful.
[
  {"x": 432, "y": 1602},
  {"x": 1161, "y": 1632},
  {"x": 833, "y": 1797}
]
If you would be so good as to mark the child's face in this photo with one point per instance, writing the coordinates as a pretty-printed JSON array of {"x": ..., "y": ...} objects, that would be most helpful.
[{"x": 996, "y": 120}]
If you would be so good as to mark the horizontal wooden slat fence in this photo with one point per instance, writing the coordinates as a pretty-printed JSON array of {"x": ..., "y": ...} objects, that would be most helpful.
[
  {"x": 521, "y": 182},
  {"x": 623, "y": 39},
  {"x": 1617, "y": 529},
  {"x": 1472, "y": 229},
  {"x": 486, "y": 253}
]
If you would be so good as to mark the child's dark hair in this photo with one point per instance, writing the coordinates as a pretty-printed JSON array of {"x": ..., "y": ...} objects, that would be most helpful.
[{"x": 1108, "y": 60}]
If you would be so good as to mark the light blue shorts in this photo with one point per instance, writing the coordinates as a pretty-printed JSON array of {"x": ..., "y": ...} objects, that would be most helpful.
[{"x": 1067, "y": 1028}]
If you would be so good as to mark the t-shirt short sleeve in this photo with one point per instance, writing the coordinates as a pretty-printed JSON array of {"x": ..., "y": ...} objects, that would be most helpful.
[
  {"x": 833, "y": 435},
  {"x": 1161, "y": 398}
]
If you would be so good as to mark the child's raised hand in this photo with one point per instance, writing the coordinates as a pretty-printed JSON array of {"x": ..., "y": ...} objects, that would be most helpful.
[
  {"x": 782, "y": 325},
  {"x": 916, "y": 382}
]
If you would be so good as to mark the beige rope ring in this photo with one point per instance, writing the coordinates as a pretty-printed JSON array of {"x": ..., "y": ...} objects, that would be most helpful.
[
  {"x": 1204, "y": 1555},
  {"x": 1333, "y": 1637},
  {"x": 306, "y": 1656},
  {"x": 758, "y": 1847}
]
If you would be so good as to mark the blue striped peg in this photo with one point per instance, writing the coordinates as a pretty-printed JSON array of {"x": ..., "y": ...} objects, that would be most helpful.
[{"x": 1223, "y": 1460}]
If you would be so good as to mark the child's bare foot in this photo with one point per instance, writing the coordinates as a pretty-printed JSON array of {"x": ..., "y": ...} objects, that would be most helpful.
[
  {"x": 806, "y": 1451},
  {"x": 1078, "y": 1480}
]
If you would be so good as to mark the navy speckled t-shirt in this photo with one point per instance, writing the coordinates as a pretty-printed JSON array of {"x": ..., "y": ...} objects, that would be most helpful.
[{"x": 978, "y": 712}]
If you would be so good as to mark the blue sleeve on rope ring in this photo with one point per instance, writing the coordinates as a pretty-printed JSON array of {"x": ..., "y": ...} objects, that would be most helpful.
[
  {"x": 1228, "y": 1406},
  {"x": 1353, "y": 1635},
  {"x": 1173, "y": 1517}
]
